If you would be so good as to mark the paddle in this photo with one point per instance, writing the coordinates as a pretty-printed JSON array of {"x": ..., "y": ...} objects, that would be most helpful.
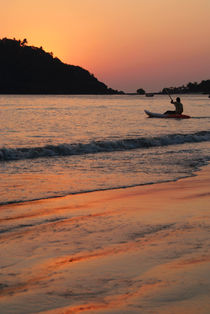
[{"x": 168, "y": 94}]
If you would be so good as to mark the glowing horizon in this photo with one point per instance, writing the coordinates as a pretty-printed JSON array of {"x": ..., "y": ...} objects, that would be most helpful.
[{"x": 127, "y": 44}]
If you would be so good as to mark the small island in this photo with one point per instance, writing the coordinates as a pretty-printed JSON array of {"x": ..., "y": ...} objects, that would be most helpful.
[{"x": 30, "y": 70}]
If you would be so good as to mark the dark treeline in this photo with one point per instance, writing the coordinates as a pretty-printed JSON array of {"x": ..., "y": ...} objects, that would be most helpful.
[
  {"x": 30, "y": 70},
  {"x": 202, "y": 87}
]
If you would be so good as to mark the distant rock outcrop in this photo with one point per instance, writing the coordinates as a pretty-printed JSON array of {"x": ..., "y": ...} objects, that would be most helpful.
[{"x": 30, "y": 70}]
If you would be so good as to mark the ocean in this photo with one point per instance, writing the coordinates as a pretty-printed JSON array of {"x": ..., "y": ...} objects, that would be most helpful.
[
  {"x": 59, "y": 145},
  {"x": 94, "y": 214}
]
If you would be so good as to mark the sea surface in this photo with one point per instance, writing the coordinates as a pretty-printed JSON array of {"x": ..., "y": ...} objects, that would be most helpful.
[
  {"x": 118, "y": 251},
  {"x": 58, "y": 145}
]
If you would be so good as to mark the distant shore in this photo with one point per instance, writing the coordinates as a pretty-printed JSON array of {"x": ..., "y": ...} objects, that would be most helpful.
[{"x": 98, "y": 94}]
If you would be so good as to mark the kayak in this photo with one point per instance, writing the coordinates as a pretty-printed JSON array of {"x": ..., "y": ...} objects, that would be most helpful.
[{"x": 166, "y": 116}]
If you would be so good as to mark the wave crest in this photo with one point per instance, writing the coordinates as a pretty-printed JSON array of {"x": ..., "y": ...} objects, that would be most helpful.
[{"x": 7, "y": 154}]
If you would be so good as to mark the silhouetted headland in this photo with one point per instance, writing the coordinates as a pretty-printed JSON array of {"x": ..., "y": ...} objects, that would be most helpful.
[{"x": 30, "y": 70}]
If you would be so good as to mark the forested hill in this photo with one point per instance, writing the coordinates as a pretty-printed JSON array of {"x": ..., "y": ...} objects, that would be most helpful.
[
  {"x": 30, "y": 70},
  {"x": 202, "y": 87}
]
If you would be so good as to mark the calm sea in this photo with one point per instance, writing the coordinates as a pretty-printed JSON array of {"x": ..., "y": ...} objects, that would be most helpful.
[{"x": 59, "y": 145}]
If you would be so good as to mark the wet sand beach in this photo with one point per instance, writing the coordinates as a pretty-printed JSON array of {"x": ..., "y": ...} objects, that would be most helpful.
[{"x": 136, "y": 250}]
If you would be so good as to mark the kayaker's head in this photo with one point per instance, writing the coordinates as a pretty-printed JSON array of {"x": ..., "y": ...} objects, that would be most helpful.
[{"x": 178, "y": 99}]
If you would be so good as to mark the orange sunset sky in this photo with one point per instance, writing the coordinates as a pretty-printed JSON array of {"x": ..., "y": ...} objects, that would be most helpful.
[{"x": 127, "y": 44}]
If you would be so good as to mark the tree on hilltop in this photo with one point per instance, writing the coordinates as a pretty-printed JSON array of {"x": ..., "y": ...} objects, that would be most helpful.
[{"x": 140, "y": 91}]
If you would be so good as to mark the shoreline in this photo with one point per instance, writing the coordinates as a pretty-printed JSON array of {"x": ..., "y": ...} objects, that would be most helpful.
[
  {"x": 141, "y": 249},
  {"x": 193, "y": 174}
]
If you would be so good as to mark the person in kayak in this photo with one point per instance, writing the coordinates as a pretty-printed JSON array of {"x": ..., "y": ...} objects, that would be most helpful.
[{"x": 178, "y": 105}]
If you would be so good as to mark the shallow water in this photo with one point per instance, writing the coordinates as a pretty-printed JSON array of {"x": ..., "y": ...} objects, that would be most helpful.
[{"x": 126, "y": 251}]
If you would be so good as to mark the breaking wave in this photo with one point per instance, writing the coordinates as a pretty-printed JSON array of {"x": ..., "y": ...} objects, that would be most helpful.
[{"x": 7, "y": 154}]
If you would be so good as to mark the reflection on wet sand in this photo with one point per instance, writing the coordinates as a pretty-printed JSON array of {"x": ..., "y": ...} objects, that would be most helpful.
[{"x": 143, "y": 249}]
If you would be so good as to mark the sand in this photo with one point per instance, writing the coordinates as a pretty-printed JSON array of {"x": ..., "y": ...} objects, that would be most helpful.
[{"x": 136, "y": 250}]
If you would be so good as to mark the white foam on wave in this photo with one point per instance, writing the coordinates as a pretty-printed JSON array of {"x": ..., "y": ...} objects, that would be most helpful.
[{"x": 7, "y": 154}]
